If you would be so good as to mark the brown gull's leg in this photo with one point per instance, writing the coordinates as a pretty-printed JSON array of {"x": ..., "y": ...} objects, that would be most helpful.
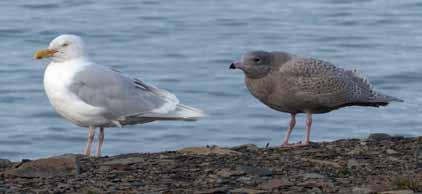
[
  {"x": 100, "y": 141},
  {"x": 289, "y": 130},
  {"x": 91, "y": 134},
  {"x": 308, "y": 128}
]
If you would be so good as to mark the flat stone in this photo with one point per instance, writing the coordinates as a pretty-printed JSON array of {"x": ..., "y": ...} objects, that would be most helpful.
[
  {"x": 398, "y": 192},
  {"x": 207, "y": 151},
  {"x": 49, "y": 167}
]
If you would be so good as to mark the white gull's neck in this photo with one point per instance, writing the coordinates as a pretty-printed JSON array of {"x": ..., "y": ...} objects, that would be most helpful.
[{"x": 75, "y": 62}]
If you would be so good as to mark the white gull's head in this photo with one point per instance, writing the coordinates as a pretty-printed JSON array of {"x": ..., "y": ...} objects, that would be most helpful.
[{"x": 63, "y": 48}]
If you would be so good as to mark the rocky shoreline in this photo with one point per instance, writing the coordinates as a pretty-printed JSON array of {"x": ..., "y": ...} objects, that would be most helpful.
[{"x": 378, "y": 164}]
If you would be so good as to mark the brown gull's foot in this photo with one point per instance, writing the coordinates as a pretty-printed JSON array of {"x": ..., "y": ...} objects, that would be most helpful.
[{"x": 298, "y": 144}]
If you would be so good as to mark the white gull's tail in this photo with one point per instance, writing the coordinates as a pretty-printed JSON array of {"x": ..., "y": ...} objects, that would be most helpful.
[{"x": 181, "y": 112}]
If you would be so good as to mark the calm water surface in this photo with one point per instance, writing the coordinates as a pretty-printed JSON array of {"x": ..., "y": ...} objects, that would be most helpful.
[{"x": 187, "y": 46}]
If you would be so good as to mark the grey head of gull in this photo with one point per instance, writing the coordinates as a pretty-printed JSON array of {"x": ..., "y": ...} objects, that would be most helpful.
[
  {"x": 294, "y": 84},
  {"x": 95, "y": 96}
]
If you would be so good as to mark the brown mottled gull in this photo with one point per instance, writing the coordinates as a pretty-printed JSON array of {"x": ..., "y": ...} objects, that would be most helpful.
[{"x": 294, "y": 84}]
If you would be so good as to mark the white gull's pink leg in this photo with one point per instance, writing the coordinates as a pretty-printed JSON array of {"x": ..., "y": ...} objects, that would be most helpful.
[
  {"x": 289, "y": 130},
  {"x": 91, "y": 134},
  {"x": 100, "y": 141}
]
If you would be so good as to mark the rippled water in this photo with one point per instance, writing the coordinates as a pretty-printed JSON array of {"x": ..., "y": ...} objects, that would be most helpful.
[{"x": 187, "y": 46}]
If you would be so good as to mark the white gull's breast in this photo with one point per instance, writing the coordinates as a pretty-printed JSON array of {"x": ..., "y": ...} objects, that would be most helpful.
[{"x": 57, "y": 78}]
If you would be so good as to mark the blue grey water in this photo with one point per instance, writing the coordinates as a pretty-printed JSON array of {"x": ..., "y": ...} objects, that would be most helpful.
[{"x": 187, "y": 46}]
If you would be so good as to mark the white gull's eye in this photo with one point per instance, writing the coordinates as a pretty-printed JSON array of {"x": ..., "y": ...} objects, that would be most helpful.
[{"x": 65, "y": 44}]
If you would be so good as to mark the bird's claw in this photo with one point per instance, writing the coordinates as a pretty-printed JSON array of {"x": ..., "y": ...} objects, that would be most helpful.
[{"x": 298, "y": 144}]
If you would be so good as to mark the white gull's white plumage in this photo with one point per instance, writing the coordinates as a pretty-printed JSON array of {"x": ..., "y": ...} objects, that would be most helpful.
[{"x": 91, "y": 95}]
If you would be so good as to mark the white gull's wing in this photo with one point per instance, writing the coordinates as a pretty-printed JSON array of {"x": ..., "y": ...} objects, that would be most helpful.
[{"x": 120, "y": 95}]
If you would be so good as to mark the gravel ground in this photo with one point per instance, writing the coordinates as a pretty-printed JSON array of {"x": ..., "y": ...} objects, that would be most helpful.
[{"x": 378, "y": 164}]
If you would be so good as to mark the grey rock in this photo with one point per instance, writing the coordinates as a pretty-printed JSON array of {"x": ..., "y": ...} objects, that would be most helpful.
[
  {"x": 418, "y": 154},
  {"x": 247, "y": 147},
  {"x": 247, "y": 180},
  {"x": 362, "y": 190},
  {"x": 275, "y": 184},
  {"x": 391, "y": 151},
  {"x": 352, "y": 163},
  {"x": 214, "y": 191},
  {"x": 124, "y": 161},
  {"x": 313, "y": 176},
  {"x": 398, "y": 192},
  {"x": 5, "y": 163},
  {"x": 246, "y": 191},
  {"x": 379, "y": 137},
  {"x": 49, "y": 167},
  {"x": 207, "y": 151},
  {"x": 314, "y": 190},
  {"x": 256, "y": 171},
  {"x": 229, "y": 173}
]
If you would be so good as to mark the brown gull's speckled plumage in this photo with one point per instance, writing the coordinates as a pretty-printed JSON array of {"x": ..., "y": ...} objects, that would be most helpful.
[{"x": 295, "y": 84}]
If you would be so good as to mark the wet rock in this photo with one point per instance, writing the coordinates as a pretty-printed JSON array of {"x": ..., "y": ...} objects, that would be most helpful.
[
  {"x": 378, "y": 137},
  {"x": 207, "y": 151},
  {"x": 246, "y": 147},
  {"x": 49, "y": 167},
  {"x": 398, "y": 192}
]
